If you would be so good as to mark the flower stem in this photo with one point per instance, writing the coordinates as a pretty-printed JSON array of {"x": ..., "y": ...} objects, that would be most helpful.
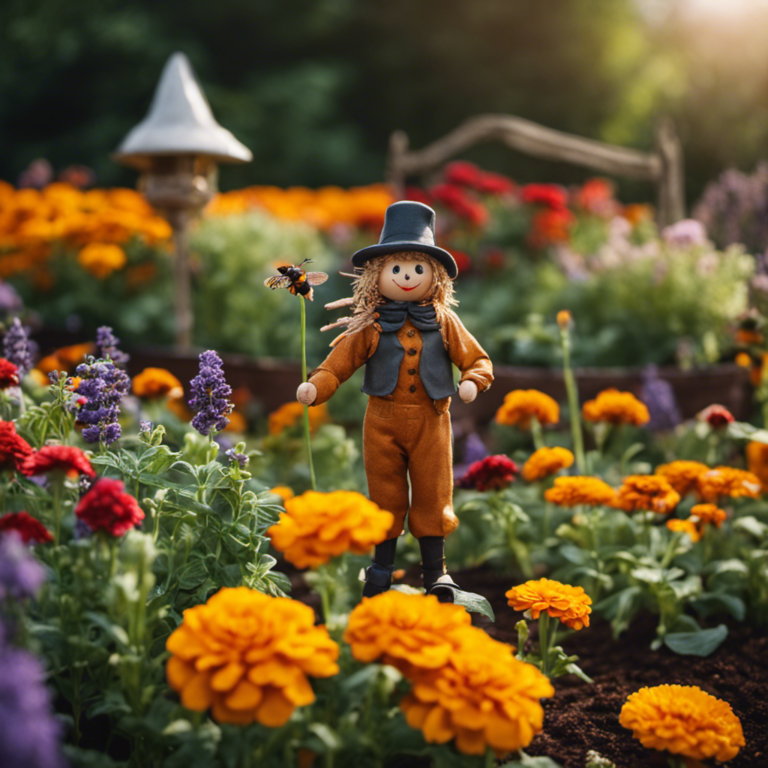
[
  {"x": 544, "y": 642},
  {"x": 307, "y": 436},
  {"x": 57, "y": 485},
  {"x": 537, "y": 433},
  {"x": 573, "y": 402},
  {"x": 490, "y": 758}
]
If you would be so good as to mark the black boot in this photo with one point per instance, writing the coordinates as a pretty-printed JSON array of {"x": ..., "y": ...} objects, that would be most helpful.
[
  {"x": 433, "y": 567},
  {"x": 378, "y": 575}
]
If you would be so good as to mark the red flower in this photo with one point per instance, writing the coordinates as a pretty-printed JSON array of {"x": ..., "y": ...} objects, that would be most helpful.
[
  {"x": 63, "y": 458},
  {"x": 418, "y": 195},
  {"x": 463, "y": 173},
  {"x": 717, "y": 416},
  {"x": 490, "y": 473},
  {"x": 550, "y": 226},
  {"x": 457, "y": 200},
  {"x": 550, "y": 195},
  {"x": 26, "y": 526},
  {"x": 463, "y": 262},
  {"x": 13, "y": 449},
  {"x": 9, "y": 374},
  {"x": 596, "y": 196},
  {"x": 495, "y": 184},
  {"x": 495, "y": 258},
  {"x": 106, "y": 507}
]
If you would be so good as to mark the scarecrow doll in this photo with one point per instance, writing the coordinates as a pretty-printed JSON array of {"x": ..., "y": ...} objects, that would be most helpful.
[{"x": 405, "y": 333}]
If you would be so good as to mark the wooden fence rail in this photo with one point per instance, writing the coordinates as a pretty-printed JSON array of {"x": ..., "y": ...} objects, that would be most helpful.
[{"x": 662, "y": 167}]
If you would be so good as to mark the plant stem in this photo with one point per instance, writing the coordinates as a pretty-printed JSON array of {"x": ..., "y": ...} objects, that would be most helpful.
[
  {"x": 544, "y": 642},
  {"x": 573, "y": 402},
  {"x": 57, "y": 484},
  {"x": 307, "y": 436},
  {"x": 490, "y": 758},
  {"x": 536, "y": 433}
]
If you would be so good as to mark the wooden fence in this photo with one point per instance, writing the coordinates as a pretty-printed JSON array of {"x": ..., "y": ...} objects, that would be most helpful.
[{"x": 662, "y": 167}]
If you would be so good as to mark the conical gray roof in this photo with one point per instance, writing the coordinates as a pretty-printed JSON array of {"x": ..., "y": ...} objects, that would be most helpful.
[{"x": 179, "y": 122}]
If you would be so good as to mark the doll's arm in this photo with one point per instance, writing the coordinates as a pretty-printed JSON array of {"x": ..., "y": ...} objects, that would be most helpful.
[
  {"x": 467, "y": 355},
  {"x": 347, "y": 356}
]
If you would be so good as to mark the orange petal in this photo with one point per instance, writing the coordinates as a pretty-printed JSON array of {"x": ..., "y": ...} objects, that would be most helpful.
[
  {"x": 227, "y": 677},
  {"x": 178, "y": 673},
  {"x": 275, "y": 710},
  {"x": 245, "y": 696},
  {"x": 197, "y": 694}
]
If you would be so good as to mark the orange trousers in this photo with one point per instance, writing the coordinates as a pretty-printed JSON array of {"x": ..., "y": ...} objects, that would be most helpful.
[{"x": 410, "y": 441}]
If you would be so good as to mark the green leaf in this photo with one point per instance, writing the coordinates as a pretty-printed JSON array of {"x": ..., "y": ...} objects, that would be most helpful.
[
  {"x": 474, "y": 604},
  {"x": 701, "y": 643},
  {"x": 718, "y": 602},
  {"x": 752, "y": 526},
  {"x": 739, "y": 430},
  {"x": 193, "y": 575}
]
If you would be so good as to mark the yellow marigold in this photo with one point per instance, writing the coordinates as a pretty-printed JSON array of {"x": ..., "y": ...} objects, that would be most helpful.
[
  {"x": 646, "y": 492},
  {"x": 616, "y": 408},
  {"x": 482, "y": 697},
  {"x": 573, "y": 491},
  {"x": 684, "y": 526},
  {"x": 683, "y": 720},
  {"x": 561, "y": 601},
  {"x": 247, "y": 656},
  {"x": 318, "y": 526},
  {"x": 157, "y": 382},
  {"x": 683, "y": 476},
  {"x": 757, "y": 461},
  {"x": 707, "y": 514},
  {"x": 521, "y": 405},
  {"x": 545, "y": 462},
  {"x": 290, "y": 413},
  {"x": 409, "y": 632},
  {"x": 283, "y": 491},
  {"x": 102, "y": 259},
  {"x": 728, "y": 481}
]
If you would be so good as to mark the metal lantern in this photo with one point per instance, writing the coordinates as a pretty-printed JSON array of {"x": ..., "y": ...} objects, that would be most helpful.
[{"x": 177, "y": 148}]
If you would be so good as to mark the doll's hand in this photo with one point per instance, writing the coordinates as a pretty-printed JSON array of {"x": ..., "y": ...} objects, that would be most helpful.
[
  {"x": 306, "y": 394},
  {"x": 467, "y": 391}
]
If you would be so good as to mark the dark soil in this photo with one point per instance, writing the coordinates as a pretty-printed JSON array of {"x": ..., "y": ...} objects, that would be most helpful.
[{"x": 582, "y": 717}]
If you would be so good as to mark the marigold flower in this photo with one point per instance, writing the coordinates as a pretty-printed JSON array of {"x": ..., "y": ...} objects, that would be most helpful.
[
  {"x": 102, "y": 259},
  {"x": 561, "y": 601},
  {"x": 9, "y": 374},
  {"x": 564, "y": 319},
  {"x": 106, "y": 507},
  {"x": 318, "y": 526},
  {"x": 683, "y": 720},
  {"x": 717, "y": 416},
  {"x": 650, "y": 493},
  {"x": 757, "y": 461},
  {"x": 28, "y": 528},
  {"x": 708, "y": 514},
  {"x": 492, "y": 473},
  {"x": 14, "y": 449},
  {"x": 574, "y": 491},
  {"x": 289, "y": 414},
  {"x": 58, "y": 458},
  {"x": 246, "y": 656},
  {"x": 728, "y": 481},
  {"x": 743, "y": 360},
  {"x": 482, "y": 697},
  {"x": 545, "y": 462},
  {"x": 521, "y": 405},
  {"x": 157, "y": 382},
  {"x": 684, "y": 526},
  {"x": 683, "y": 476},
  {"x": 409, "y": 632},
  {"x": 283, "y": 491},
  {"x": 616, "y": 407}
]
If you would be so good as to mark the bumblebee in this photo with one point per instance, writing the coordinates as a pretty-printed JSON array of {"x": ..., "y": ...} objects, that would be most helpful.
[{"x": 296, "y": 280}]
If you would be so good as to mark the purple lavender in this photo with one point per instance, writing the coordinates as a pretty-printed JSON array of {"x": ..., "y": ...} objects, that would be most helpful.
[
  {"x": 21, "y": 576},
  {"x": 16, "y": 347},
  {"x": 234, "y": 456},
  {"x": 659, "y": 396},
  {"x": 98, "y": 399},
  {"x": 29, "y": 733},
  {"x": 210, "y": 395},
  {"x": 145, "y": 427},
  {"x": 106, "y": 346},
  {"x": 10, "y": 301}
]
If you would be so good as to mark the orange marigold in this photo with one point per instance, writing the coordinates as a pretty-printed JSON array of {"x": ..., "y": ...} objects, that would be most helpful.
[
  {"x": 410, "y": 632},
  {"x": 157, "y": 382},
  {"x": 728, "y": 481},
  {"x": 616, "y": 407},
  {"x": 102, "y": 259},
  {"x": 683, "y": 476},
  {"x": 318, "y": 526},
  {"x": 651, "y": 493},
  {"x": 290, "y": 413},
  {"x": 573, "y": 491},
  {"x": 707, "y": 514},
  {"x": 283, "y": 491},
  {"x": 482, "y": 697},
  {"x": 247, "y": 656},
  {"x": 683, "y": 720},
  {"x": 684, "y": 526},
  {"x": 545, "y": 462},
  {"x": 521, "y": 405},
  {"x": 561, "y": 601},
  {"x": 757, "y": 461}
]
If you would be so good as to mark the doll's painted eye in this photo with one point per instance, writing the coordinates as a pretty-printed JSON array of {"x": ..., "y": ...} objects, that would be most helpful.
[
  {"x": 419, "y": 269},
  {"x": 395, "y": 269}
]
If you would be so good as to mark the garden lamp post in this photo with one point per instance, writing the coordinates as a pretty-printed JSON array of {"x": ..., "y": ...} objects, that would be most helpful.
[{"x": 177, "y": 148}]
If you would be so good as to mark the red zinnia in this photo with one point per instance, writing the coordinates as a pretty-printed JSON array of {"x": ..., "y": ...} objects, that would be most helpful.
[
  {"x": 463, "y": 262},
  {"x": 64, "y": 458},
  {"x": 551, "y": 195},
  {"x": 457, "y": 200},
  {"x": 495, "y": 184},
  {"x": 490, "y": 473},
  {"x": 13, "y": 449},
  {"x": 418, "y": 195},
  {"x": 106, "y": 507},
  {"x": 463, "y": 173},
  {"x": 26, "y": 526},
  {"x": 550, "y": 226},
  {"x": 9, "y": 374},
  {"x": 717, "y": 416}
]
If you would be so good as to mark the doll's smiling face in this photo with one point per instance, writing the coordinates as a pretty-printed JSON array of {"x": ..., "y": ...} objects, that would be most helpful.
[{"x": 406, "y": 279}]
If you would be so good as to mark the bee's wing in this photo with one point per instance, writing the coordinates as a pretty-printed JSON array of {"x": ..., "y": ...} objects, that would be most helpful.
[
  {"x": 316, "y": 278},
  {"x": 278, "y": 281}
]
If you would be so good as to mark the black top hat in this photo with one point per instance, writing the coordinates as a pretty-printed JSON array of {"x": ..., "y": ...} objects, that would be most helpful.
[{"x": 408, "y": 226}]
